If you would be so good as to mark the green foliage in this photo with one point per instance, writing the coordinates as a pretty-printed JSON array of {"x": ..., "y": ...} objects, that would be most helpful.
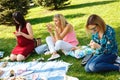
[
  {"x": 52, "y": 4},
  {"x": 35, "y": 2},
  {"x": 7, "y": 7}
]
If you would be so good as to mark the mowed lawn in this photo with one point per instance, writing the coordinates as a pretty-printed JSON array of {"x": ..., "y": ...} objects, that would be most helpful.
[{"x": 76, "y": 14}]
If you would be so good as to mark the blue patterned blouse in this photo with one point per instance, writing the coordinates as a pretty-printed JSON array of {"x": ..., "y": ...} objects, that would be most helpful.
[{"x": 108, "y": 42}]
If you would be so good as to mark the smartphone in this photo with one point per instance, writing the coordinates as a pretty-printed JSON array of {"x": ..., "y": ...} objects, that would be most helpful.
[{"x": 1, "y": 54}]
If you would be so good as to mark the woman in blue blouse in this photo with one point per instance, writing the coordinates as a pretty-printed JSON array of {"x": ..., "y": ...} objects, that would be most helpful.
[{"x": 103, "y": 40}]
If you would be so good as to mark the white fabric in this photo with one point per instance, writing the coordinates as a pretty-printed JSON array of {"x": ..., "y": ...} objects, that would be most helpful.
[
  {"x": 117, "y": 60},
  {"x": 59, "y": 45},
  {"x": 52, "y": 70},
  {"x": 66, "y": 77},
  {"x": 41, "y": 49}
]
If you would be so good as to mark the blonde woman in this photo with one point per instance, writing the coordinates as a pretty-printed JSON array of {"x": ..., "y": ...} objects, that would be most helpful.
[{"x": 62, "y": 36}]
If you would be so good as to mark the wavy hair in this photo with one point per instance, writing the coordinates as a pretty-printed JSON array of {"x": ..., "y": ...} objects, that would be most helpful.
[{"x": 62, "y": 20}]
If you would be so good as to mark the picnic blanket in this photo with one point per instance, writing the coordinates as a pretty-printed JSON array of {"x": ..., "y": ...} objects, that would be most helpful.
[{"x": 53, "y": 70}]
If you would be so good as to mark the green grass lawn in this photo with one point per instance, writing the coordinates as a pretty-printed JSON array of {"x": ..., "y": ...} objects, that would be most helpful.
[{"x": 76, "y": 14}]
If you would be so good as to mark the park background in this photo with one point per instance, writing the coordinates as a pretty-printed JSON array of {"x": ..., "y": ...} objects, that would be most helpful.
[{"x": 76, "y": 13}]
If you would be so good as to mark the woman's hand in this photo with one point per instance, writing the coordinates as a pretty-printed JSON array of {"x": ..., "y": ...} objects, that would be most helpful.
[
  {"x": 49, "y": 27},
  {"x": 18, "y": 33},
  {"x": 74, "y": 48},
  {"x": 94, "y": 45}
]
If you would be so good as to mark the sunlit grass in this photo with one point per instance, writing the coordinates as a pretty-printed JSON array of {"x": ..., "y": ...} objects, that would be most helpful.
[{"x": 76, "y": 14}]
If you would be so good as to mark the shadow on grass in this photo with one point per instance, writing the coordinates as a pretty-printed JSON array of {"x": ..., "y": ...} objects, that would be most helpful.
[
  {"x": 84, "y": 40},
  {"x": 47, "y": 19},
  {"x": 74, "y": 15},
  {"x": 87, "y": 5},
  {"x": 40, "y": 20}
]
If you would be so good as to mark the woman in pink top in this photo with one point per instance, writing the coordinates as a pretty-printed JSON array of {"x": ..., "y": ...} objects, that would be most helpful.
[{"x": 62, "y": 36}]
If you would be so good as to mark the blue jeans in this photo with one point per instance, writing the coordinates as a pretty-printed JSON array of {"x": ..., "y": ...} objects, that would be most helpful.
[{"x": 101, "y": 63}]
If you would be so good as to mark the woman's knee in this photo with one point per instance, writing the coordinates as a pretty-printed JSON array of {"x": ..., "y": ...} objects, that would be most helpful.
[
  {"x": 92, "y": 67},
  {"x": 13, "y": 57},
  {"x": 58, "y": 44},
  {"x": 87, "y": 68},
  {"x": 20, "y": 57}
]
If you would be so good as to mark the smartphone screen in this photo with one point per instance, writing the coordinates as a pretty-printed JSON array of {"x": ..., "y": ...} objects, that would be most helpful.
[{"x": 1, "y": 54}]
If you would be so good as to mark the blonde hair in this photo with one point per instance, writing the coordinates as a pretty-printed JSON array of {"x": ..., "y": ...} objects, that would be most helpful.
[
  {"x": 96, "y": 20},
  {"x": 62, "y": 20}
]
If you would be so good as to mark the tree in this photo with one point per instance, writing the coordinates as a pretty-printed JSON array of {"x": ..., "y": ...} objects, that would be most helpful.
[
  {"x": 7, "y": 7},
  {"x": 52, "y": 4}
]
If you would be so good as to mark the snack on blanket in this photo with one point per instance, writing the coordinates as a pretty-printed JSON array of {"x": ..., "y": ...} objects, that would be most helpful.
[
  {"x": 4, "y": 64},
  {"x": 20, "y": 78},
  {"x": 1, "y": 72},
  {"x": 13, "y": 78},
  {"x": 34, "y": 60},
  {"x": 12, "y": 73},
  {"x": 5, "y": 58}
]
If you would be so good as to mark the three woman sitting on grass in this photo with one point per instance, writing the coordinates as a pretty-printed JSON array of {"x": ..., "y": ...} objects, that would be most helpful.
[
  {"x": 103, "y": 40},
  {"x": 63, "y": 37}
]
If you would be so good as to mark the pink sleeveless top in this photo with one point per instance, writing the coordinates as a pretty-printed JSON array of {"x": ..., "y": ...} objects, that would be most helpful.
[{"x": 71, "y": 38}]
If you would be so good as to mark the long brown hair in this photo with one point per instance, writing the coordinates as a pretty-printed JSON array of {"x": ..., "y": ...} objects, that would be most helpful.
[
  {"x": 96, "y": 20},
  {"x": 19, "y": 17}
]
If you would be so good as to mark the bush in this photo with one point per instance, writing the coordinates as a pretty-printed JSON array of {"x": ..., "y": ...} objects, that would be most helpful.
[
  {"x": 52, "y": 4},
  {"x": 7, "y": 7}
]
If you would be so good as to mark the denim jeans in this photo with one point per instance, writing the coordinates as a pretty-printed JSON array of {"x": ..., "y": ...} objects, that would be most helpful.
[{"x": 101, "y": 63}]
